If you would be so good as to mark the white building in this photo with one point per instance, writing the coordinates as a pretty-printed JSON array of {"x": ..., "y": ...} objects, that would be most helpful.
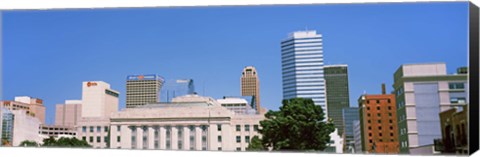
[
  {"x": 422, "y": 92},
  {"x": 25, "y": 127},
  {"x": 190, "y": 122},
  {"x": 98, "y": 100},
  {"x": 94, "y": 130},
  {"x": 69, "y": 113},
  {"x": 302, "y": 67}
]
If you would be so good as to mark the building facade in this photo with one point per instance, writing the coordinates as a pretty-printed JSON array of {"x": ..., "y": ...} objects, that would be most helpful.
[
  {"x": 69, "y": 113},
  {"x": 350, "y": 114},
  {"x": 25, "y": 127},
  {"x": 454, "y": 124},
  {"x": 98, "y": 100},
  {"x": 33, "y": 106},
  {"x": 174, "y": 88},
  {"x": 143, "y": 89},
  {"x": 378, "y": 122},
  {"x": 94, "y": 130},
  {"x": 250, "y": 85},
  {"x": 56, "y": 131},
  {"x": 302, "y": 67},
  {"x": 357, "y": 136},
  {"x": 336, "y": 81},
  {"x": 6, "y": 127},
  {"x": 187, "y": 123},
  {"x": 423, "y": 91}
]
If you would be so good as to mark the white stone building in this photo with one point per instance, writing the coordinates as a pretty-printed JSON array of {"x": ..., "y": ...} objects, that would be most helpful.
[{"x": 190, "y": 122}]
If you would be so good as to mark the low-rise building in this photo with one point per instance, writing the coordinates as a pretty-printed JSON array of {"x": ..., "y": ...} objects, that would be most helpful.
[
  {"x": 189, "y": 122},
  {"x": 25, "y": 127},
  {"x": 454, "y": 124},
  {"x": 57, "y": 131},
  {"x": 33, "y": 106}
]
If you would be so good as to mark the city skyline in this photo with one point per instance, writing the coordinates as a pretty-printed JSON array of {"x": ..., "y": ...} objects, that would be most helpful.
[{"x": 74, "y": 50}]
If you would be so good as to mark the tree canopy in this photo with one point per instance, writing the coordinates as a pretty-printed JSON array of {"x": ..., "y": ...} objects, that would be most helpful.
[
  {"x": 299, "y": 125},
  {"x": 27, "y": 143},
  {"x": 64, "y": 142}
]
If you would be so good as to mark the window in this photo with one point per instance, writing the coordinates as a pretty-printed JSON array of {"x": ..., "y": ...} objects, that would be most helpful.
[
  {"x": 98, "y": 139},
  {"x": 247, "y": 139},
  {"x": 388, "y": 100},
  {"x": 255, "y": 127},
  {"x": 204, "y": 148},
  {"x": 378, "y": 101},
  {"x": 84, "y": 129},
  {"x": 369, "y": 128},
  {"x": 105, "y": 139},
  {"x": 389, "y": 107},
  {"x": 91, "y": 128},
  {"x": 106, "y": 129},
  {"x": 91, "y": 139},
  {"x": 219, "y": 127},
  {"x": 378, "y": 114},
  {"x": 379, "y": 121},
  {"x": 99, "y": 129},
  {"x": 369, "y": 121},
  {"x": 239, "y": 149},
  {"x": 391, "y": 134},
  {"x": 118, "y": 138},
  {"x": 368, "y": 114},
  {"x": 378, "y": 108},
  {"x": 456, "y": 85},
  {"x": 84, "y": 138},
  {"x": 368, "y": 108},
  {"x": 370, "y": 134},
  {"x": 118, "y": 128},
  {"x": 219, "y": 138},
  {"x": 457, "y": 100},
  {"x": 247, "y": 127},
  {"x": 389, "y": 114},
  {"x": 220, "y": 148},
  {"x": 379, "y": 128},
  {"x": 379, "y": 134},
  {"x": 238, "y": 127},
  {"x": 239, "y": 139},
  {"x": 368, "y": 101},
  {"x": 370, "y": 141},
  {"x": 391, "y": 127}
]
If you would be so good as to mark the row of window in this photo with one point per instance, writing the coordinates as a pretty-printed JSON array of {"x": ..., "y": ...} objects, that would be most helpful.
[
  {"x": 378, "y": 101},
  {"x": 98, "y": 139},
  {"x": 380, "y": 121},
  {"x": 238, "y": 139},
  {"x": 403, "y": 131},
  {"x": 246, "y": 127},
  {"x": 92, "y": 128},
  {"x": 378, "y": 108}
]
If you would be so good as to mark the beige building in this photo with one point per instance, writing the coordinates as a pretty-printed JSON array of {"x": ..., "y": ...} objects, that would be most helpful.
[
  {"x": 250, "y": 85},
  {"x": 98, "y": 100},
  {"x": 25, "y": 127},
  {"x": 33, "y": 106},
  {"x": 143, "y": 89},
  {"x": 56, "y": 131},
  {"x": 69, "y": 113},
  {"x": 189, "y": 122}
]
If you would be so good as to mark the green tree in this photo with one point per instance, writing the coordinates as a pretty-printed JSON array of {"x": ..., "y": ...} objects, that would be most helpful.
[
  {"x": 64, "y": 142},
  {"x": 27, "y": 143},
  {"x": 299, "y": 126},
  {"x": 255, "y": 144}
]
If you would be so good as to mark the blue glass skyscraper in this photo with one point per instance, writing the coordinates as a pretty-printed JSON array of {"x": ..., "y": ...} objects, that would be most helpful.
[{"x": 302, "y": 67}]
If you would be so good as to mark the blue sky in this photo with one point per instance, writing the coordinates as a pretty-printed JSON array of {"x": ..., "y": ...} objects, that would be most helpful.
[{"x": 48, "y": 53}]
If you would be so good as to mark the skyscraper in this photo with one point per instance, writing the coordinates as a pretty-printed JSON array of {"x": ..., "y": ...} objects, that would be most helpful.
[
  {"x": 174, "y": 88},
  {"x": 143, "y": 89},
  {"x": 250, "y": 85},
  {"x": 336, "y": 79},
  {"x": 422, "y": 92},
  {"x": 98, "y": 100},
  {"x": 302, "y": 67}
]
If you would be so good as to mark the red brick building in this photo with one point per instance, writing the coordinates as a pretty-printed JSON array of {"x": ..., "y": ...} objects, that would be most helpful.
[{"x": 378, "y": 121}]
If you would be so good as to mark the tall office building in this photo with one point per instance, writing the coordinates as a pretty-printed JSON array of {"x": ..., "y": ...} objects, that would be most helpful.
[
  {"x": 250, "y": 85},
  {"x": 33, "y": 106},
  {"x": 98, "y": 100},
  {"x": 422, "y": 92},
  {"x": 302, "y": 67},
  {"x": 69, "y": 113},
  {"x": 357, "y": 136},
  {"x": 175, "y": 88},
  {"x": 378, "y": 122},
  {"x": 336, "y": 78},
  {"x": 143, "y": 89},
  {"x": 350, "y": 114}
]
